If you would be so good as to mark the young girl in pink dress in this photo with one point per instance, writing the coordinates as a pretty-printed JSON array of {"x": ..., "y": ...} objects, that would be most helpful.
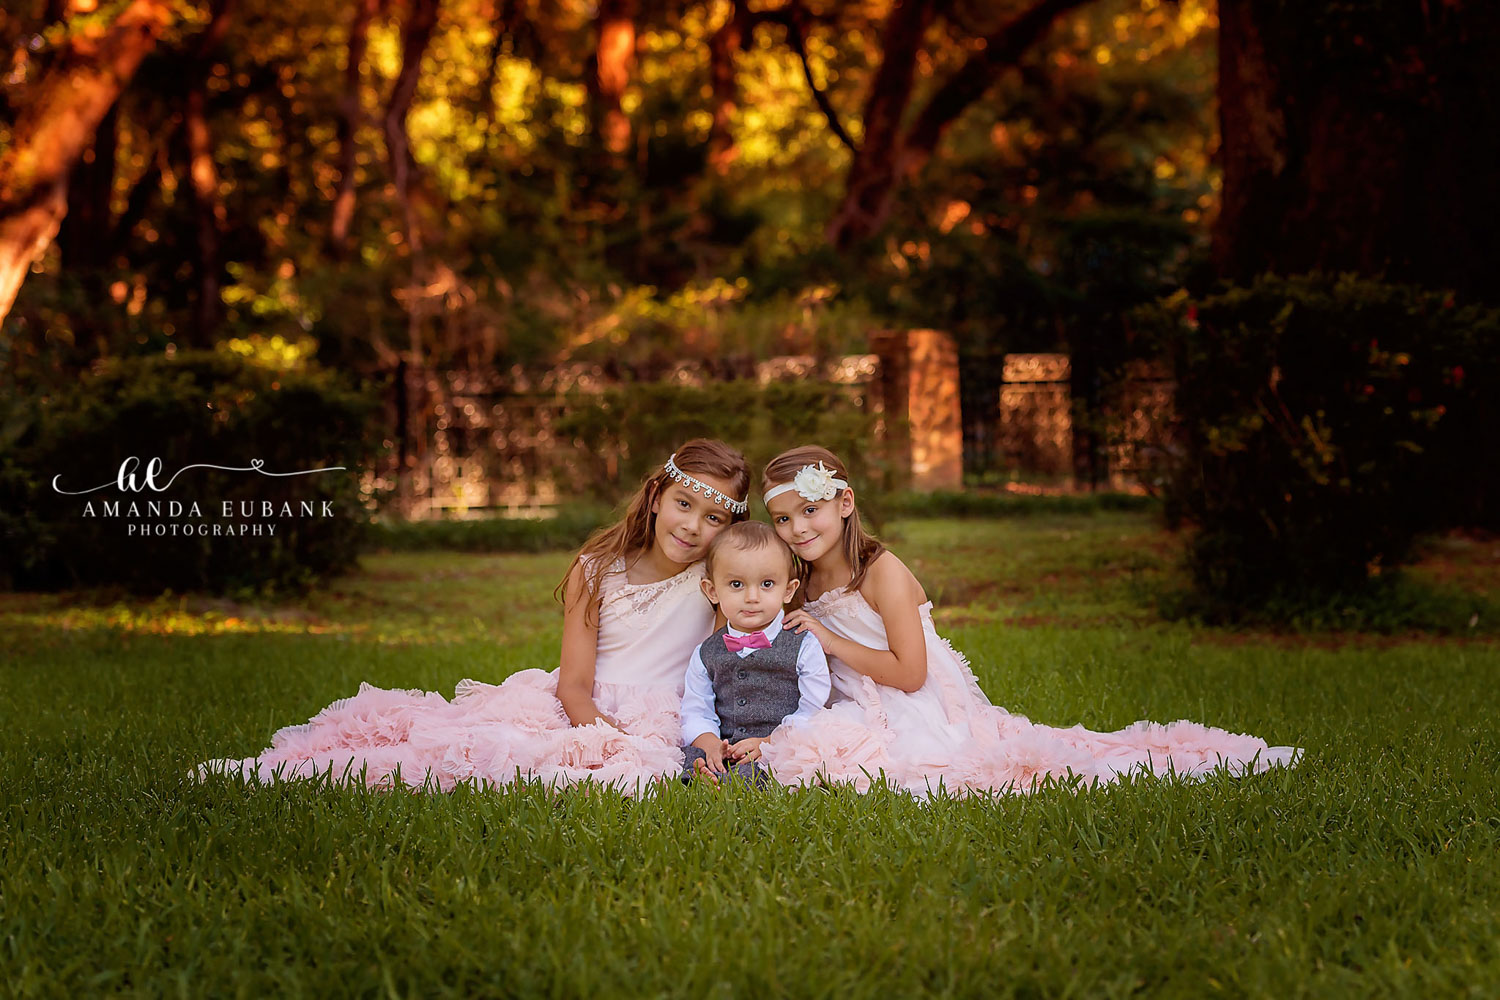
[
  {"x": 904, "y": 702},
  {"x": 633, "y": 613}
]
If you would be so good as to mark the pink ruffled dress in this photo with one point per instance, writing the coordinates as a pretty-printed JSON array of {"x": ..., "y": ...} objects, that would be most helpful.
[
  {"x": 947, "y": 734},
  {"x": 495, "y": 733}
]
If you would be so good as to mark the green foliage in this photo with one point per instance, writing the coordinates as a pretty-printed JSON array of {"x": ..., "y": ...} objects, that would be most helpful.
[
  {"x": 725, "y": 324},
  {"x": 942, "y": 503},
  {"x": 644, "y": 421},
  {"x": 199, "y": 408},
  {"x": 1370, "y": 869},
  {"x": 61, "y": 323},
  {"x": 1325, "y": 423},
  {"x": 1077, "y": 172},
  {"x": 573, "y": 523},
  {"x": 1392, "y": 604},
  {"x": 569, "y": 529}
]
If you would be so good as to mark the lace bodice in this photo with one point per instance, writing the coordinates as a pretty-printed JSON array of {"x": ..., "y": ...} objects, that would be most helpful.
[
  {"x": 647, "y": 631},
  {"x": 846, "y": 612}
]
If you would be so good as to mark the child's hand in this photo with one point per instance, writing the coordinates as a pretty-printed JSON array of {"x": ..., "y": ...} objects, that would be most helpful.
[
  {"x": 800, "y": 621},
  {"x": 746, "y": 749},
  {"x": 702, "y": 769},
  {"x": 711, "y": 764}
]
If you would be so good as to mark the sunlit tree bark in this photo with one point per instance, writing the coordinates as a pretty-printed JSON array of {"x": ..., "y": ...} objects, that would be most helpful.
[
  {"x": 71, "y": 98},
  {"x": 609, "y": 72},
  {"x": 723, "y": 46}
]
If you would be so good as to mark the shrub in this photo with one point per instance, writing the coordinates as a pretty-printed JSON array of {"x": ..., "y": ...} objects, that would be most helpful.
[
  {"x": 199, "y": 408},
  {"x": 945, "y": 503},
  {"x": 642, "y": 422},
  {"x": 1325, "y": 422},
  {"x": 568, "y": 530}
]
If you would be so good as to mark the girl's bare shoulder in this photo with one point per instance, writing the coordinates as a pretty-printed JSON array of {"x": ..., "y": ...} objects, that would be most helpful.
[{"x": 888, "y": 578}]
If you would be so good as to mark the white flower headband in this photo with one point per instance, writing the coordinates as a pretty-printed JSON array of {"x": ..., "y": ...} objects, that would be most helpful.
[
  {"x": 699, "y": 486},
  {"x": 812, "y": 482}
]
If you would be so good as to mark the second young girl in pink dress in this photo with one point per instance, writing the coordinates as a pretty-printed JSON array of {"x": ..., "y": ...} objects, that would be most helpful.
[{"x": 905, "y": 705}]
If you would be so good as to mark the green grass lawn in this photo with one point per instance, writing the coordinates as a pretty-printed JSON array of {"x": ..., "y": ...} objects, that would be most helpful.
[{"x": 1372, "y": 868}]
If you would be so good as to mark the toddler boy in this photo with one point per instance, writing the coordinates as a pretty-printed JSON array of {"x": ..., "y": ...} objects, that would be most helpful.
[{"x": 751, "y": 675}]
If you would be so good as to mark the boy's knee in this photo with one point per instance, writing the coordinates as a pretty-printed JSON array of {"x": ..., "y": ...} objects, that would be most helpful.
[{"x": 690, "y": 758}]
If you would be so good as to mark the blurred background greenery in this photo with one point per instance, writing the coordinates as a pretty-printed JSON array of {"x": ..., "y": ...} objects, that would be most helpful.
[{"x": 592, "y": 226}]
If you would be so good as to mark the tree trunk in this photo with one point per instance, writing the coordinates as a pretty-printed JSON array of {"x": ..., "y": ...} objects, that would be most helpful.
[
  {"x": 58, "y": 124},
  {"x": 208, "y": 212},
  {"x": 872, "y": 173},
  {"x": 1003, "y": 48},
  {"x": 1360, "y": 138},
  {"x": 723, "y": 46},
  {"x": 148, "y": 185},
  {"x": 609, "y": 73},
  {"x": 415, "y": 36},
  {"x": 209, "y": 215},
  {"x": 351, "y": 116},
  {"x": 81, "y": 237}
]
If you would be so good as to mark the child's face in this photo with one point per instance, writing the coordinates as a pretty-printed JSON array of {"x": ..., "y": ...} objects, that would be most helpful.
[
  {"x": 751, "y": 585},
  {"x": 813, "y": 528},
  {"x": 686, "y": 521}
]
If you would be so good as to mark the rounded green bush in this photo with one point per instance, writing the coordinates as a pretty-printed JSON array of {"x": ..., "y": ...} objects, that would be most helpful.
[
  {"x": 199, "y": 408},
  {"x": 1324, "y": 423}
]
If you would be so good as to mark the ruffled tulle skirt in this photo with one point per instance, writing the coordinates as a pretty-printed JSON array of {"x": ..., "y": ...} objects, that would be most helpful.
[
  {"x": 947, "y": 736},
  {"x": 491, "y": 734}
]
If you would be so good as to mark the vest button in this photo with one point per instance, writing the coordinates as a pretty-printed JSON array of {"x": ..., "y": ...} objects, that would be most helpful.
[
  {"x": 742, "y": 703},
  {"x": 740, "y": 675}
]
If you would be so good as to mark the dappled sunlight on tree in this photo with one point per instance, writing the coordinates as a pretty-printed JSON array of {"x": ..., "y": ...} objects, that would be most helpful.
[{"x": 502, "y": 230}]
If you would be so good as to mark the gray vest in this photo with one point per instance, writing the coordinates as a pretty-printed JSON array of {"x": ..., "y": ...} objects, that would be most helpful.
[{"x": 752, "y": 695}]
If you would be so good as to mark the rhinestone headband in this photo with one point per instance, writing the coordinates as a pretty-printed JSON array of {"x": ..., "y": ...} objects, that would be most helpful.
[
  {"x": 699, "y": 486},
  {"x": 812, "y": 482}
]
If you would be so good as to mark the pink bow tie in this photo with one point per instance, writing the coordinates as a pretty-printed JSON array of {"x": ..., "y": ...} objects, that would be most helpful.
[{"x": 753, "y": 640}]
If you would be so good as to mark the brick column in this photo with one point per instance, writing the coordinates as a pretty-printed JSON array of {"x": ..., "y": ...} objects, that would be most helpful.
[{"x": 919, "y": 386}]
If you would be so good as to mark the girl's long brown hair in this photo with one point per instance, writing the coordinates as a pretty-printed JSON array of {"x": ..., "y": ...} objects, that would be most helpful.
[
  {"x": 636, "y": 531},
  {"x": 860, "y": 547}
]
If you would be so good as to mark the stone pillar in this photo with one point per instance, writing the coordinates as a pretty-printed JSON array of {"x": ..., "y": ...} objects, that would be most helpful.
[{"x": 919, "y": 386}]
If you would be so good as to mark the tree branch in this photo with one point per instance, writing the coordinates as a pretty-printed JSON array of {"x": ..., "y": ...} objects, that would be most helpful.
[
  {"x": 795, "y": 16},
  {"x": 1002, "y": 48},
  {"x": 57, "y": 126},
  {"x": 871, "y": 174},
  {"x": 416, "y": 34},
  {"x": 351, "y": 114}
]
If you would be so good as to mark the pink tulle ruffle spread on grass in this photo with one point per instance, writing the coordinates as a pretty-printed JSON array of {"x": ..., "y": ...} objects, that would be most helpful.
[
  {"x": 947, "y": 736},
  {"x": 494, "y": 734},
  {"x": 944, "y": 736}
]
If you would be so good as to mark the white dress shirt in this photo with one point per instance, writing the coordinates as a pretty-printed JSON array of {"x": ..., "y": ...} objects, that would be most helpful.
[{"x": 813, "y": 684}]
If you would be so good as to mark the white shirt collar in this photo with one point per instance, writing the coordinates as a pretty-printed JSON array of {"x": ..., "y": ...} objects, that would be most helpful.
[{"x": 772, "y": 630}]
